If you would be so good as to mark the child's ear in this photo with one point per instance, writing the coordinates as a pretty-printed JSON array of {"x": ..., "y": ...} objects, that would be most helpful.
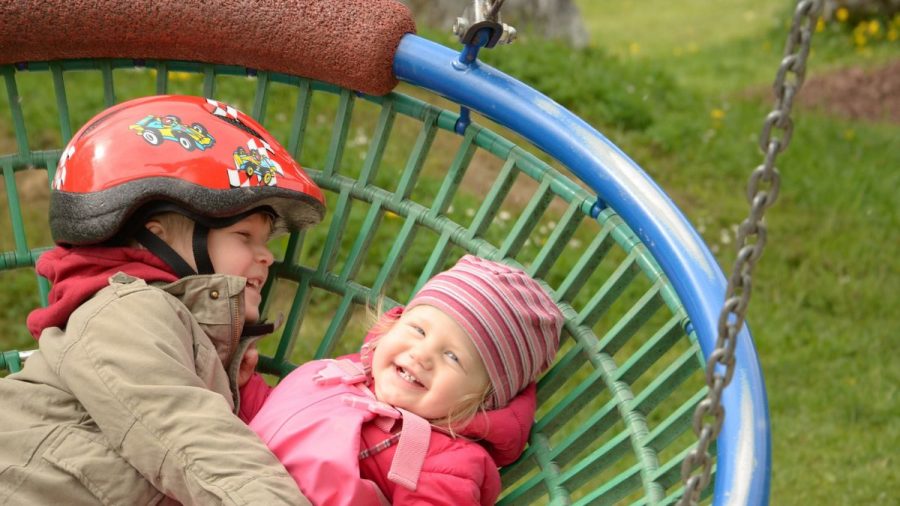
[{"x": 157, "y": 228}]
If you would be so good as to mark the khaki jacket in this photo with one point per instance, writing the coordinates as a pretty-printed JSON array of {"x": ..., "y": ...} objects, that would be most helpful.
[{"x": 131, "y": 405}]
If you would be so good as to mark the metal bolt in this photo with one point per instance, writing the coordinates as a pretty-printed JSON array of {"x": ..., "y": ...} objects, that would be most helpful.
[
  {"x": 508, "y": 36},
  {"x": 460, "y": 27}
]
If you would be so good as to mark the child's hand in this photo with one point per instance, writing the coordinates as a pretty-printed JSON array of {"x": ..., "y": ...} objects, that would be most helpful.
[{"x": 248, "y": 365}]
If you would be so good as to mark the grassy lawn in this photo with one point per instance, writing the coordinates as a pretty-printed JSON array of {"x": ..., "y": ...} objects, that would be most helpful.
[
  {"x": 683, "y": 88},
  {"x": 823, "y": 303}
]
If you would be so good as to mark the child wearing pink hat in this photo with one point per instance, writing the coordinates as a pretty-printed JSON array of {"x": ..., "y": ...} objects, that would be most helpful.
[{"x": 441, "y": 394}]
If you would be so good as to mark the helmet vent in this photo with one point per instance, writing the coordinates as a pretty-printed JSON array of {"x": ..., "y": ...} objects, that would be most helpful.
[{"x": 238, "y": 123}]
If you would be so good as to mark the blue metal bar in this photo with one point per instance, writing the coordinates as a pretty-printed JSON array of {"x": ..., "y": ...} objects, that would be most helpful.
[
  {"x": 744, "y": 444},
  {"x": 467, "y": 56}
]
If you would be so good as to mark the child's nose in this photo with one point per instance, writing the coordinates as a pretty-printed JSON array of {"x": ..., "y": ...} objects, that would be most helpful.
[
  {"x": 265, "y": 256},
  {"x": 423, "y": 355}
]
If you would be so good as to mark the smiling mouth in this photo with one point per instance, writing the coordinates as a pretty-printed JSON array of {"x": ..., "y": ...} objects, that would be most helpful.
[
  {"x": 408, "y": 377},
  {"x": 254, "y": 283}
]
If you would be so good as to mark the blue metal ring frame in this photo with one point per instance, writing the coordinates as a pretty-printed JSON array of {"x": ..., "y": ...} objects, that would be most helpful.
[{"x": 744, "y": 444}]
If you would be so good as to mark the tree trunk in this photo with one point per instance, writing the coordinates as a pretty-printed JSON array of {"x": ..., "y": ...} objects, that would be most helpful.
[{"x": 554, "y": 19}]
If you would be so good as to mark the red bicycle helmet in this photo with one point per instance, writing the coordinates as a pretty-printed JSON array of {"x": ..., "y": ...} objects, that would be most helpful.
[{"x": 193, "y": 155}]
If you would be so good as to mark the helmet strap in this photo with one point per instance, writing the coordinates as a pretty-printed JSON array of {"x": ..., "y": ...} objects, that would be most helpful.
[
  {"x": 201, "y": 249},
  {"x": 165, "y": 252}
]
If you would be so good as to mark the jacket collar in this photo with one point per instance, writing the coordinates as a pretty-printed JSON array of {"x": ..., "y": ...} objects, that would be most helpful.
[{"x": 217, "y": 303}]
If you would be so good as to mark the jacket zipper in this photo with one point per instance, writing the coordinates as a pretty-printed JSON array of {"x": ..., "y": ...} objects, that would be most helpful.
[{"x": 235, "y": 325}]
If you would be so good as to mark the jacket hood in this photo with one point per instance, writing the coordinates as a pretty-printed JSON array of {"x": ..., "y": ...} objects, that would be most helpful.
[
  {"x": 77, "y": 273},
  {"x": 502, "y": 432}
]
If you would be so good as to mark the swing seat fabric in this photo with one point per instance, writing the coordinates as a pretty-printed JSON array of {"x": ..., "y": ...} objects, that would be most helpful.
[{"x": 411, "y": 186}]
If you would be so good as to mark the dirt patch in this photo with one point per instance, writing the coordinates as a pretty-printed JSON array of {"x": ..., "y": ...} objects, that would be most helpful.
[
  {"x": 33, "y": 187},
  {"x": 856, "y": 93}
]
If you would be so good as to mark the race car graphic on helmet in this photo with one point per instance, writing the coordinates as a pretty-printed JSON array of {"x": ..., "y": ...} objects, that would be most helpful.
[
  {"x": 254, "y": 163},
  {"x": 155, "y": 129}
]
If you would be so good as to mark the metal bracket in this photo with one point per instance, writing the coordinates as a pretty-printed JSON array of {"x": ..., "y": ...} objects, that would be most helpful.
[
  {"x": 479, "y": 27},
  {"x": 483, "y": 14}
]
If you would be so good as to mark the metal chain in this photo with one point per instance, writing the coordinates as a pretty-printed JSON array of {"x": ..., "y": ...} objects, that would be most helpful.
[{"x": 762, "y": 191}]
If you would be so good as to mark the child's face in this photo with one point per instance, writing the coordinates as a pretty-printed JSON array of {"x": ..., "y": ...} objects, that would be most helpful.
[
  {"x": 238, "y": 250},
  {"x": 426, "y": 364}
]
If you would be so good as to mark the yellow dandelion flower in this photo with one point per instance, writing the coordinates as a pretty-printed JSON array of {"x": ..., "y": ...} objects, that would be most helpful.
[
  {"x": 634, "y": 48},
  {"x": 873, "y": 27},
  {"x": 892, "y": 34},
  {"x": 820, "y": 25},
  {"x": 849, "y": 134},
  {"x": 842, "y": 14},
  {"x": 717, "y": 114},
  {"x": 860, "y": 39},
  {"x": 391, "y": 215},
  {"x": 179, "y": 76}
]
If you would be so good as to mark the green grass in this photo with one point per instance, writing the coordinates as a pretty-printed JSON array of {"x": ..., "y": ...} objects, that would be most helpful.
[
  {"x": 683, "y": 88},
  {"x": 823, "y": 308},
  {"x": 660, "y": 28}
]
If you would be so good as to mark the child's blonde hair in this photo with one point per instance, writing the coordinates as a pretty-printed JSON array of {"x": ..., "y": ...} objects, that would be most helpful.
[{"x": 175, "y": 225}]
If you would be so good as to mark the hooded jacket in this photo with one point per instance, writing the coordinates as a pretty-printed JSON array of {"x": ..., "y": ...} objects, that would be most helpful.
[
  {"x": 318, "y": 435},
  {"x": 127, "y": 400}
]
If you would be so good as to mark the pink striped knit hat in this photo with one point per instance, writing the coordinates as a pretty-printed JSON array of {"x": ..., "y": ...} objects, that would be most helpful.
[{"x": 513, "y": 322}]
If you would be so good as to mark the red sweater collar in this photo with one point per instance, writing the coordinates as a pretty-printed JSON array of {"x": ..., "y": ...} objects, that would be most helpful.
[{"x": 78, "y": 273}]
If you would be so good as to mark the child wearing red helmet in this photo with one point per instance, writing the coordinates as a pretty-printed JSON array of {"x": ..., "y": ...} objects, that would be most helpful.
[{"x": 161, "y": 208}]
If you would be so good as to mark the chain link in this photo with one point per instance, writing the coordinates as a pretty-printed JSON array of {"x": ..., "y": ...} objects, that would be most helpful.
[{"x": 762, "y": 191}]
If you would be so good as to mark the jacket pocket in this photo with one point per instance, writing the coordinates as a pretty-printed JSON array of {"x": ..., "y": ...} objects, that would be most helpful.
[
  {"x": 110, "y": 478},
  {"x": 19, "y": 450}
]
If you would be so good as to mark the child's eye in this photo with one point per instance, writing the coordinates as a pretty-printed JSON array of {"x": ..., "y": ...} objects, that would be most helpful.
[
  {"x": 452, "y": 356},
  {"x": 419, "y": 330}
]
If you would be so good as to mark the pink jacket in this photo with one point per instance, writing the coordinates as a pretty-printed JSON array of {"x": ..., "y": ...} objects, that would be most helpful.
[{"x": 318, "y": 436}]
